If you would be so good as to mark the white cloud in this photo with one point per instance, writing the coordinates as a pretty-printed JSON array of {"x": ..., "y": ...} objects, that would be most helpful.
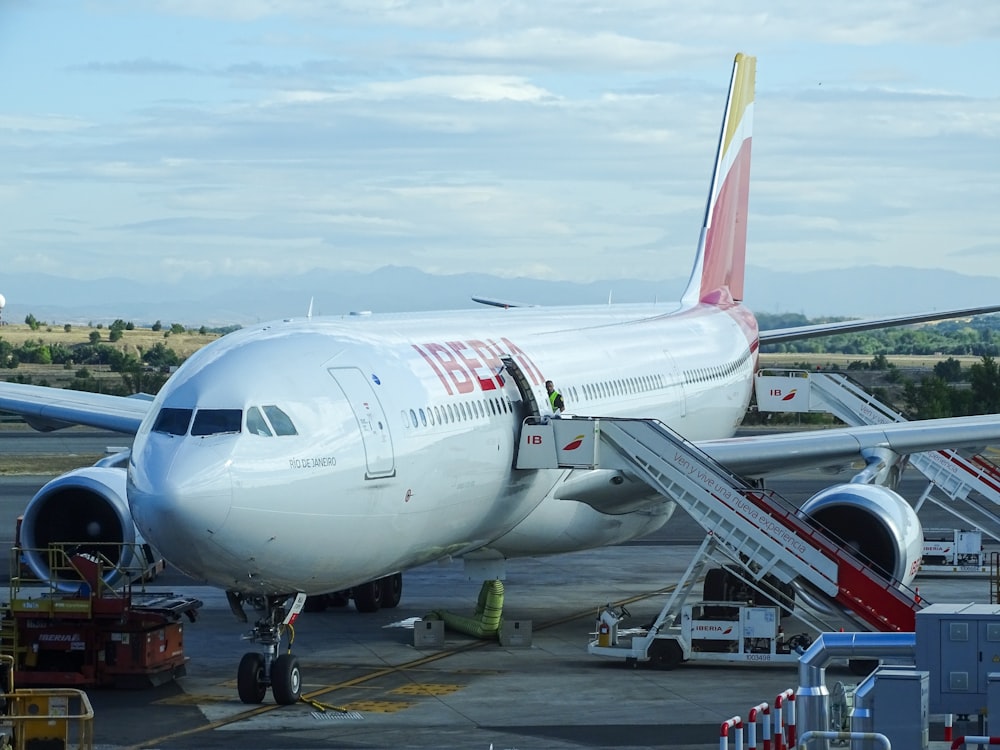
[{"x": 554, "y": 139}]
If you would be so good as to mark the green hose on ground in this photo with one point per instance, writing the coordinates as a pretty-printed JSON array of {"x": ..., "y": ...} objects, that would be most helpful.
[{"x": 485, "y": 622}]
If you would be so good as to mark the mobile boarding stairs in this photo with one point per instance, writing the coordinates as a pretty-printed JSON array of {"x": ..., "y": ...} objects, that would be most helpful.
[{"x": 754, "y": 529}]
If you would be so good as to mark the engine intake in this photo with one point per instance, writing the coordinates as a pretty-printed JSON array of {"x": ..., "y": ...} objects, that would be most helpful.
[
  {"x": 84, "y": 511},
  {"x": 875, "y": 524}
]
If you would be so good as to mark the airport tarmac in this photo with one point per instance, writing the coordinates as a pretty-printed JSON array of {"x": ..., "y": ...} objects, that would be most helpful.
[
  {"x": 382, "y": 692},
  {"x": 385, "y": 693}
]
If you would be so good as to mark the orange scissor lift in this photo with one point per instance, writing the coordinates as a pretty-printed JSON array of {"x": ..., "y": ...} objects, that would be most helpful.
[{"x": 76, "y": 630}]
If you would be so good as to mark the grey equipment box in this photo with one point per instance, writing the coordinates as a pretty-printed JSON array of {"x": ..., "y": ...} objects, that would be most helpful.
[
  {"x": 515, "y": 633},
  {"x": 958, "y": 644},
  {"x": 893, "y": 702},
  {"x": 428, "y": 634}
]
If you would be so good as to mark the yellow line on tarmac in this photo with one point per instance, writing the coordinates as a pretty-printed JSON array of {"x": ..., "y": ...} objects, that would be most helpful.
[{"x": 378, "y": 673}]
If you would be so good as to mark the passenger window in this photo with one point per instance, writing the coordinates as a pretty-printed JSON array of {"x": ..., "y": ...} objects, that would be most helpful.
[
  {"x": 279, "y": 421},
  {"x": 430, "y": 416},
  {"x": 437, "y": 413},
  {"x": 256, "y": 424},
  {"x": 173, "y": 421},
  {"x": 217, "y": 421},
  {"x": 413, "y": 417}
]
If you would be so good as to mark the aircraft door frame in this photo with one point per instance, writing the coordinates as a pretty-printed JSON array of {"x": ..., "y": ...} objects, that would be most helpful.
[
  {"x": 380, "y": 458},
  {"x": 678, "y": 380}
]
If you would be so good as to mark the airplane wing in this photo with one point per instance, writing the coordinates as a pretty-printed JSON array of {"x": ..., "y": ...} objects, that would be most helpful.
[
  {"x": 504, "y": 303},
  {"x": 759, "y": 455},
  {"x": 782, "y": 335},
  {"x": 48, "y": 409}
]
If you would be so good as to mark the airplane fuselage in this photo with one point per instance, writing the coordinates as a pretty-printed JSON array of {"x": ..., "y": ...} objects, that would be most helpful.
[{"x": 400, "y": 438}]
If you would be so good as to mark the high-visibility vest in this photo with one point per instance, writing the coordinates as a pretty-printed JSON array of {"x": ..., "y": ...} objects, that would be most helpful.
[{"x": 552, "y": 399}]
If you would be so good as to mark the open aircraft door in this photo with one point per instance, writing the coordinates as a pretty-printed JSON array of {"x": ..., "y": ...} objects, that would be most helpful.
[
  {"x": 528, "y": 400},
  {"x": 380, "y": 459}
]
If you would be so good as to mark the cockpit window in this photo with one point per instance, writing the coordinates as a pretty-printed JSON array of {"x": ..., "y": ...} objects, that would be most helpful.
[
  {"x": 279, "y": 421},
  {"x": 173, "y": 421},
  {"x": 217, "y": 421},
  {"x": 256, "y": 424}
]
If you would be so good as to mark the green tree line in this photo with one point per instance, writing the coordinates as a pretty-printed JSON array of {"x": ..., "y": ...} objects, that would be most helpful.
[
  {"x": 144, "y": 372},
  {"x": 978, "y": 336}
]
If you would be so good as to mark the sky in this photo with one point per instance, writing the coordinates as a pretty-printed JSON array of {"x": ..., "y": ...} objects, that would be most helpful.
[{"x": 565, "y": 140}]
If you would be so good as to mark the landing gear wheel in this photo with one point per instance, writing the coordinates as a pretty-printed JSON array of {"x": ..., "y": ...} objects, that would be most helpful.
[
  {"x": 250, "y": 678},
  {"x": 665, "y": 653},
  {"x": 392, "y": 590},
  {"x": 368, "y": 596},
  {"x": 286, "y": 680}
]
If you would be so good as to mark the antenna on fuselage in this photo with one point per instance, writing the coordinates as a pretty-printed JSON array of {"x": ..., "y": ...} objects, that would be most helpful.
[{"x": 309, "y": 313}]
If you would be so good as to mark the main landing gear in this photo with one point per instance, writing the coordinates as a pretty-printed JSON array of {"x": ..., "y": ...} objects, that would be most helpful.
[
  {"x": 382, "y": 593},
  {"x": 258, "y": 671}
]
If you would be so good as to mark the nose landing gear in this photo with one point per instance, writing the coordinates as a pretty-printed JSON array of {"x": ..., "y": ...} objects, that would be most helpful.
[{"x": 259, "y": 671}]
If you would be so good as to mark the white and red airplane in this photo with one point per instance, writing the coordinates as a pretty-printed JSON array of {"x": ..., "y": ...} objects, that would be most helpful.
[{"x": 318, "y": 455}]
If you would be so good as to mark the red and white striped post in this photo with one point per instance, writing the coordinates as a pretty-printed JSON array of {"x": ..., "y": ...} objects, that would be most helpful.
[
  {"x": 948, "y": 719},
  {"x": 786, "y": 696},
  {"x": 761, "y": 712},
  {"x": 977, "y": 740},
  {"x": 736, "y": 724}
]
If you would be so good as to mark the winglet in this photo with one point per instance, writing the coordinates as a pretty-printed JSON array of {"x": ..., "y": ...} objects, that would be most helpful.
[{"x": 717, "y": 276}]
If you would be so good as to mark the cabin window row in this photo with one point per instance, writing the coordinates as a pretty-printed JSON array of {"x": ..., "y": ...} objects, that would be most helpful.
[
  {"x": 618, "y": 387},
  {"x": 461, "y": 411},
  {"x": 705, "y": 374}
]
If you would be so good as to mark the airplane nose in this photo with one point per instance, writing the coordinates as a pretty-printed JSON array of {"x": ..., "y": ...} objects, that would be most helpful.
[{"x": 180, "y": 494}]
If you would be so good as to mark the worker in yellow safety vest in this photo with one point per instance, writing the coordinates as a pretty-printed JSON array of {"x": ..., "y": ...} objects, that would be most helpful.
[{"x": 555, "y": 398}]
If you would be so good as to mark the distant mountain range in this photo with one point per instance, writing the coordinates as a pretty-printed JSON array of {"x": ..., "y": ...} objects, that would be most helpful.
[{"x": 860, "y": 292}]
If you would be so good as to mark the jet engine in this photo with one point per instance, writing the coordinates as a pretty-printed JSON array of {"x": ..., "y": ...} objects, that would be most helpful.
[
  {"x": 84, "y": 511},
  {"x": 874, "y": 523}
]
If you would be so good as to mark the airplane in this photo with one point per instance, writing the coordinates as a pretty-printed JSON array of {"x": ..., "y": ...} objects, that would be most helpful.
[{"x": 324, "y": 454}]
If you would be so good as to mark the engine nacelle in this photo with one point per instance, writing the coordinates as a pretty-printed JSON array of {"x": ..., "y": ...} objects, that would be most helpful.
[
  {"x": 84, "y": 511},
  {"x": 874, "y": 523}
]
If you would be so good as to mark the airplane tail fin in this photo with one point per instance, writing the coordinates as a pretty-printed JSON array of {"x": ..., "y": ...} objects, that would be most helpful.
[{"x": 717, "y": 277}]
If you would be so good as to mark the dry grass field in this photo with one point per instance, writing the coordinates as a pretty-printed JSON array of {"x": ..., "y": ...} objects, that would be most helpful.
[{"x": 131, "y": 342}]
